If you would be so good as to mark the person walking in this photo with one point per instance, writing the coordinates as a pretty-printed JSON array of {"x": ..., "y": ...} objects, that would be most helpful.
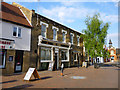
[{"x": 62, "y": 67}]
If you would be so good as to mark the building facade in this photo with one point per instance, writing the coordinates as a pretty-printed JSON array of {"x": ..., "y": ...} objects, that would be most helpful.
[
  {"x": 53, "y": 43},
  {"x": 15, "y": 39},
  {"x": 112, "y": 50}
]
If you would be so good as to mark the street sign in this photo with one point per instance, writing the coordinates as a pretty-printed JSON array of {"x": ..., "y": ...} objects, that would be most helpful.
[{"x": 30, "y": 72}]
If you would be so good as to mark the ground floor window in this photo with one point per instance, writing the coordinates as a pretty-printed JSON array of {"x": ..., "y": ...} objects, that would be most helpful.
[
  {"x": 75, "y": 56},
  {"x": 45, "y": 53},
  {"x": 2, "y": 58},
  {"x": 64, "y": 55}
]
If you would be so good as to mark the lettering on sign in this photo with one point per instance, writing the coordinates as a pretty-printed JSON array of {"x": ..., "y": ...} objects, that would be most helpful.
[{"x": 30, "y": 72}]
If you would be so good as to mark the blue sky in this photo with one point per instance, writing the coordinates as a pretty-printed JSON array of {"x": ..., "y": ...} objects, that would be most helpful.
[{"x": 73, "y": 14}]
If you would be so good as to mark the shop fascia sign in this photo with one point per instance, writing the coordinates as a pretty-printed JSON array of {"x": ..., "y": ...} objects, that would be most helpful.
[{"x": 7, "y": 44}]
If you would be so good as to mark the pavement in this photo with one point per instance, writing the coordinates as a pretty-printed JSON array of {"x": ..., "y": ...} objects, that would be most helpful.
[{"x": 104, "y": 77}]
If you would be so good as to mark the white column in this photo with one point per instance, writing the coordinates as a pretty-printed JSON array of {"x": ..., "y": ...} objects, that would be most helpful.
[
  {"x": 52, "y": 53},
  {"x": 68, "y": 54}
]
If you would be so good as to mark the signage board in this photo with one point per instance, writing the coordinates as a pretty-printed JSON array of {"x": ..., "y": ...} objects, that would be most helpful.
[
  {"x": 6, "y": 44},
  {"x": 51, "y": 64},
  {"x": 30, "y": 72}
]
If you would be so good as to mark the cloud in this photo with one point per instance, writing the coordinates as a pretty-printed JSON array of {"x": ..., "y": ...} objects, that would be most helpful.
[
  {"x": 109, "y": 18},
  {"x": 65, "y": 14}
]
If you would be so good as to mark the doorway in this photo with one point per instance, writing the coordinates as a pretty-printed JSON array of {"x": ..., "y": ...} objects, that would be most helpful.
[
  {"x": 56, "y": 64},
  {"x": 18, "y": 61}
]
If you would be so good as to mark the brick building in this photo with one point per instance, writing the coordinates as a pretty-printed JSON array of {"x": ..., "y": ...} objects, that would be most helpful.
[
  {"x": 15, "y": 38},
  {"x": 112, "y": 51},
  {"x": 52, "y": 43}
]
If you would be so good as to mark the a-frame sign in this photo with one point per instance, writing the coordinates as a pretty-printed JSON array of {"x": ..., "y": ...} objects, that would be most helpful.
[{"x": 30, "y": 72}]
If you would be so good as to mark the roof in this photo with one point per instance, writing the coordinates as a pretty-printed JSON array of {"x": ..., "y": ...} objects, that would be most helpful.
[{"x": 13, "y": 14}]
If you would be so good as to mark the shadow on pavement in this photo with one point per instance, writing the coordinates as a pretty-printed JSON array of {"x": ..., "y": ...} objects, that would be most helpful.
[
  {"x": 41, "y": 78},
  {"x": 20, "y": 86},
  {"x": 45, "y": 77},
  {"x": 8, "y": 81}
]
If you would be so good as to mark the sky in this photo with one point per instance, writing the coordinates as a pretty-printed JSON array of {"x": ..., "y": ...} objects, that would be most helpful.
[{"x": 72, "y": 13}]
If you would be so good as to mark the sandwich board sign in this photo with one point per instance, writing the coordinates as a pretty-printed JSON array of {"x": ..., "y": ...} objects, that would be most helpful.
[
  {"x": 51, "y": 64},
  {"x": 30, "y": 72}
]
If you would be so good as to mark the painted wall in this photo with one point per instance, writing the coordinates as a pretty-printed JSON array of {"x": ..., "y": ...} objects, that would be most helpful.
[{"x": 22, "y": 43}]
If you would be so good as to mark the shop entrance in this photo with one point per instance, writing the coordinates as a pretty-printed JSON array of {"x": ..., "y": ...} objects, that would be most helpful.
[
  {"x": 18, "y": 61},
  {"x": 56, "y": 59}
]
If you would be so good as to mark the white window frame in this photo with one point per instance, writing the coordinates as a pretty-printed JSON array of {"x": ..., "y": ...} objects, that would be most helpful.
[
  {"x": 72, "y": 37},
  {"x": 51, "y": 55},
  {"x": 78, "y": 43},
  {"x": 43, "y": 23},
  {"x": 53, "y": 27},
  {"x": 17, "y": 32},
  {"x": 76, "y": 57},
  {"x": 67, "y": 60},
  {"x": 3, "y": 66},
  {"x": 63, "y": 31}
]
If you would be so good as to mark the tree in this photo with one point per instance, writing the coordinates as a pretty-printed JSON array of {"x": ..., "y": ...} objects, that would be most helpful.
[{"x": 94, "y": 36}]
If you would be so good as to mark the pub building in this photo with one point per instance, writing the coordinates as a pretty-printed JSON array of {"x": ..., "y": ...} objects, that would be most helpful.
[
  {"x": 15, "y": 39},
  {"x": 52, "y": 43}
]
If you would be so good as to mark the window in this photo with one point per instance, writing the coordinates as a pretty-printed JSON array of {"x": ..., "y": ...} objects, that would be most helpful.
[
  {"x": 43, "y": 31},
  {"x": 75, "y": 56},
  {"x": 44, "y": 27},
  {"x": 64, "y": 55},
  {"x": 2, "y": 58},
  {"x": 112, "y": 52},
  {"x": 71, "y": 38},
  {"x": 17, "y": 32},
  {"x": 64, "y": 35},
  {"x": 54, "y": 34},
  {"x": 78, "y": 40},
  {"x": 45, "y": 53}
]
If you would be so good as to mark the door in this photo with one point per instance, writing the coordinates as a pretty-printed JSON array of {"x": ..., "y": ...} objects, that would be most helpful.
[{"x": 18, "y": 61}]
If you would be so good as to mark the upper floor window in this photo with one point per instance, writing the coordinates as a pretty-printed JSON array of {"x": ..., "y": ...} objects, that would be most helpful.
[
  {"x": 54, "y": 33},
  {"x": 43, "y": 28},
  {"x": 71, "y": 38},
  {"x": 64, "y": 35},
  {"x": 112, "y": 52},
  {"x": 16, "y": 31},
  {"x": 78, "y": 40}
]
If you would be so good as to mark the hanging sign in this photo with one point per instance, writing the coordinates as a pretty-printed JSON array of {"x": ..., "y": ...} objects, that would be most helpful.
[{"x": 30, "y": 72}]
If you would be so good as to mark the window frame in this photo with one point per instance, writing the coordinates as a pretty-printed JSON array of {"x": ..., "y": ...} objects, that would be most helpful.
[
  {"x": 78, "y": 37},
  {"x": 17, "y": 31},
  {"x": 55, "y": 28},
  {"x": 63, "y": 31},
  {"x": 43, "y": 23},
  {"x": 76, "y": 57},
  {"x": 71, "y": 34},
  {"x": 4, "y": 62}
]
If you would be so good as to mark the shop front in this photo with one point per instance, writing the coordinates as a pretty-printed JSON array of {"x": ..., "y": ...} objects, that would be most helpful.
[{"x": 51, "y": 55}]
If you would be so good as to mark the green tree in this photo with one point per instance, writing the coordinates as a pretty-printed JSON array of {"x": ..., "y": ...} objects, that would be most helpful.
[{"x": 94, "y": 36}]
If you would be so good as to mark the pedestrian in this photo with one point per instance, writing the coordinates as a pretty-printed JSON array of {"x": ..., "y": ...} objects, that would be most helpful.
[{"x": 62, "y": 67}]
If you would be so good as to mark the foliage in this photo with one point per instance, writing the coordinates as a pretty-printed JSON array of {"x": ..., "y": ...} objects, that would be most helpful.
[{"x": 94, "y": 36}]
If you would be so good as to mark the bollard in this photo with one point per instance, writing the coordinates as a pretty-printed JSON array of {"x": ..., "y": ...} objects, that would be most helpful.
[{"x": 62, "y": 66}]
